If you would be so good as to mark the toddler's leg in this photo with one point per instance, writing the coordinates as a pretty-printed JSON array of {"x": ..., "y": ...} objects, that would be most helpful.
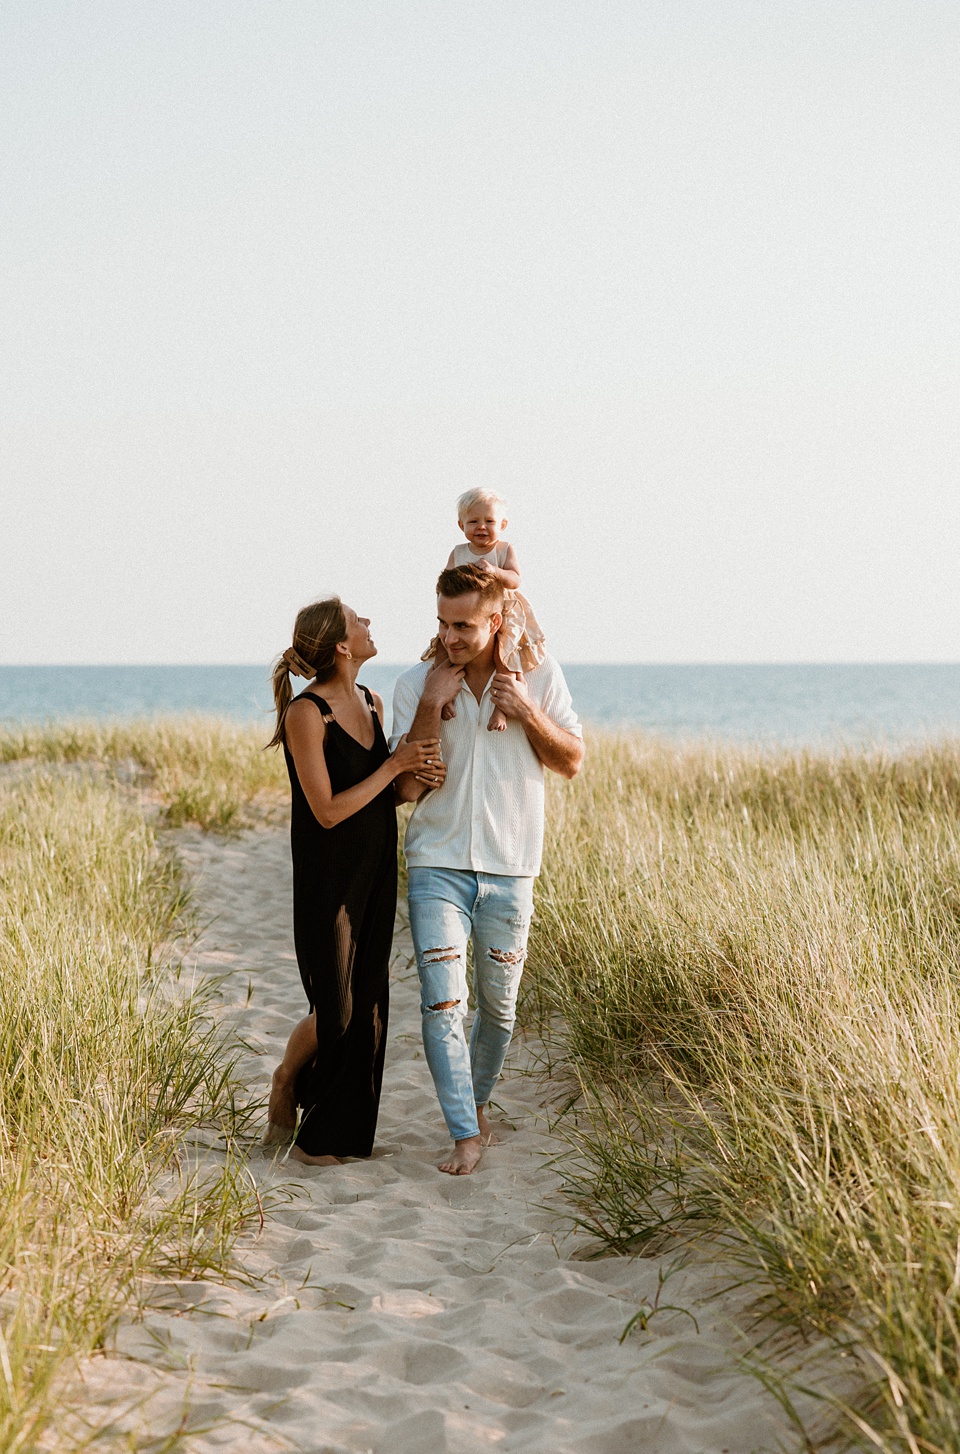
[
  {"x": 498, "y": 722},
  {"x": 449, "y": 711}
]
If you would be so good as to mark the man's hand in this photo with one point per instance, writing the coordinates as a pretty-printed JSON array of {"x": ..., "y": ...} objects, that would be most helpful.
[
  {"x": 557, "y": 749},
  {"x": 442, "y": 684},
  {"x": 511, "y": 695}
]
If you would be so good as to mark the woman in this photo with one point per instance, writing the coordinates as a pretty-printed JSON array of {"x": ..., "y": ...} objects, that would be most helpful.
[{"x": 343, "y": 834}]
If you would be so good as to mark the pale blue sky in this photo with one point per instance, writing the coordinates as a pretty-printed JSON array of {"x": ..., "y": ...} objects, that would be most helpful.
[{"x": 679, "y": 279}]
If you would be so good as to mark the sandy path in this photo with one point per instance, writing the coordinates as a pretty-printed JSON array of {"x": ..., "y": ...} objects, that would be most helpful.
[{"x": 396, "y": 1309}]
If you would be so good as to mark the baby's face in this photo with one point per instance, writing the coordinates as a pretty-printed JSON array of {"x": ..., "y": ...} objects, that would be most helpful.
[{"x": 482, "y": 526}]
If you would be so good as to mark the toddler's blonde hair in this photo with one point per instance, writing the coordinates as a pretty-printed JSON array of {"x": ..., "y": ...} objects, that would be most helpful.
[{"x": 479, "y": 497}]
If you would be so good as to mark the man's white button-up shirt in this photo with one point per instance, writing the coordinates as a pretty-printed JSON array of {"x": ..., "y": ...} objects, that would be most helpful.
[{"x": 488, "y": 816}]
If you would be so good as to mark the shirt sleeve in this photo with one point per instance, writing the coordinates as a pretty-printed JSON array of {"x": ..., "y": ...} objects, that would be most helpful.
[
  {"x": 557, "y": 702},
  {"x": 406, "y": 700}
]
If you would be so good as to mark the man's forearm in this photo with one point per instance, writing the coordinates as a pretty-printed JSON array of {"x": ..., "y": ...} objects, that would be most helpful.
[
  {"x": 425, "y": 725},
  {"x": 557, "y": 749}
]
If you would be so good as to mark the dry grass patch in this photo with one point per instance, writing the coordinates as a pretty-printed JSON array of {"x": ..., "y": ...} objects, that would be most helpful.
[
  {"x": 202, "y": 770},
  {"x": 756, "y": 958},
  {"x": 103, "y": 1067}
]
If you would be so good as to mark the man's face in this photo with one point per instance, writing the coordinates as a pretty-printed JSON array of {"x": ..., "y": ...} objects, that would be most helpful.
[{"x": 465, "y": 626}]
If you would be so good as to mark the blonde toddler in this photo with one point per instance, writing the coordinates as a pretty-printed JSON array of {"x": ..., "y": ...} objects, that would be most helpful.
[{"x": 520, "y": 644}]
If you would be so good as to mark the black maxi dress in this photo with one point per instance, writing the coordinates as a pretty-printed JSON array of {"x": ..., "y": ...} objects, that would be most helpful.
[{"x": 344, "y": 904}]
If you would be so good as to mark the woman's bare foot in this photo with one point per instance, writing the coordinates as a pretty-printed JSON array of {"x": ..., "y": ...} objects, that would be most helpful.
[
  {"x": 295, "y": 1154},
  {"x": 281, "y": 1110},
  {"x": 464, "y": 1157},
  {"x": 498, "y": 722},
  {"x": 274, "y": 1135},
  {"x": 487, "y": 1138}
]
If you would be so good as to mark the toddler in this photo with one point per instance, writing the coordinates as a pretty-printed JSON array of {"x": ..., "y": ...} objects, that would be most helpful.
[{"x": 519, "y": 646}]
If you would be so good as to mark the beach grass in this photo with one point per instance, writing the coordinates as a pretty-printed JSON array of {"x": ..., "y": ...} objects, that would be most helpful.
[
  {"x": 106, "y": 1063},
  {"x": 202, "y": 770},
  {"x": 745, "y": 966},
  {"x": 748, "y": 964}
]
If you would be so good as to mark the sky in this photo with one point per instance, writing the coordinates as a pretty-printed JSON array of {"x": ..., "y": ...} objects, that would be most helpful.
[{"x": 680, "y": 280}]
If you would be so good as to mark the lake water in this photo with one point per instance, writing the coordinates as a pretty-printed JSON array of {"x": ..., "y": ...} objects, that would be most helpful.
[{"x": 786, "y": 704}]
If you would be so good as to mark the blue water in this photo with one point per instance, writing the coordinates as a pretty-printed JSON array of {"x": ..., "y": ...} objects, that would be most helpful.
[{"x": 788, "y": 704}]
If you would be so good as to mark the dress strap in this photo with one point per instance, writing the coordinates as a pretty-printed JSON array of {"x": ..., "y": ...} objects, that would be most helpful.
[
  {"x": 370, "y": 702},
  {"x": 323, "y": 706}
]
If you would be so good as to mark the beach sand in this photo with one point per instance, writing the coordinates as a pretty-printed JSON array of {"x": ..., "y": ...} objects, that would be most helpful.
[{"x": 388, "y": 1307}]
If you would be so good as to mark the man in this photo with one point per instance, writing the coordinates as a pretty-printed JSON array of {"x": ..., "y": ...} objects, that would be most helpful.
[{"x": 473, "y": 846}]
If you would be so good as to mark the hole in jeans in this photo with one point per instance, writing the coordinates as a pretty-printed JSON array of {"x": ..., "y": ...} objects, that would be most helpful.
[
  {"x": 439, "y": 956},
  {"x": 444, "y": 1005},
  {"x": 506, "y": 956}
]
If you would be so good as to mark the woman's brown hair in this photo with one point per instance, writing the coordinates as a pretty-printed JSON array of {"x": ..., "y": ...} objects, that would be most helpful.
[{"x": 317, "y": 631}]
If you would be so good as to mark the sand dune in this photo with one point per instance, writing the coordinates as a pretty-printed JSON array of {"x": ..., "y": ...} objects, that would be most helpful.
[{"x": 391, "y": 1308}]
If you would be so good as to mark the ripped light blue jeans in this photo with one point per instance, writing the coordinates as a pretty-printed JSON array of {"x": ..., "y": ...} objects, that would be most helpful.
[{"x": 447, "y": 906}]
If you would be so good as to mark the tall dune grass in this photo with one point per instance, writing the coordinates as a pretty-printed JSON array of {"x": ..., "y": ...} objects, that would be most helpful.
[
  {"x": 203, "y": 770},
  {"x": 756, "y": 959},
  {"x": 102, "y": 1068}
]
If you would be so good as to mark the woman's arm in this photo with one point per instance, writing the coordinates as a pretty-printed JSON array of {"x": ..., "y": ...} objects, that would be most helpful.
[{"x": 305, "y": 732}]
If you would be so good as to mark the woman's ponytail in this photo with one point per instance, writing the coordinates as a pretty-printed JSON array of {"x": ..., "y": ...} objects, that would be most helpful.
[{"x": 318, "y": 630}]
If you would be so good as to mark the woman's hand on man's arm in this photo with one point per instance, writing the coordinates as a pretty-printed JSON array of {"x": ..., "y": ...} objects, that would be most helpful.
[{"x": 421, "y": 758}]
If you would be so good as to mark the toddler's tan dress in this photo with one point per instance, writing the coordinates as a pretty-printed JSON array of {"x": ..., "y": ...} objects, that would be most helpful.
[{"x": 520, "y": 639}]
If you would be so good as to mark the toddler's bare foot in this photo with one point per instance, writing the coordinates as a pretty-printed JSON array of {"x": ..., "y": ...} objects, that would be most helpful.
[
  {"x": 448, "y": 712},
  {"x": 295, "y": 1154},
  {"x": 498, "y": 722},
  {"x": 464, "y": 1157}
]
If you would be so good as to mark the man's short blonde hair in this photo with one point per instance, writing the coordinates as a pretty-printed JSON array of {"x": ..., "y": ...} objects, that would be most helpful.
[{"x": 479, "y": 497}]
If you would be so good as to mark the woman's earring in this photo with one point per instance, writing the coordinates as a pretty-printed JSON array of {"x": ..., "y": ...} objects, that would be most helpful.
[{"x": 349, "y": 656}]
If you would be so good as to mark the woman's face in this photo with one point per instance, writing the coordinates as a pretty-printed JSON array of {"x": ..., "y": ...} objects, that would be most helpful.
[{"x": 358, "y": 640}]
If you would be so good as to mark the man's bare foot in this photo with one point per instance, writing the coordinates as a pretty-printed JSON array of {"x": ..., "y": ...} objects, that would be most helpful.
[
  {"x": 464, "y": 1157},
  {"x": 487, "y": 1138},
  {"x": 281, "y": 1110},
  {"x": 498, "y": 722},
  {"x": 295, "y": 1154}
]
